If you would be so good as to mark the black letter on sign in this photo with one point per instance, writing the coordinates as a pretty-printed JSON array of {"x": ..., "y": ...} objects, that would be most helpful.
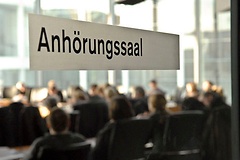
[
  {"x": 64, "y": 39},
  {"x": 42, "y": 44},
  {"x": 79, "y": 45}
]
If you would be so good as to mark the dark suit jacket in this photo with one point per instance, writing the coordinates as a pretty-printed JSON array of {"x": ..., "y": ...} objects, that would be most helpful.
[{"x": 159, "y": 119}]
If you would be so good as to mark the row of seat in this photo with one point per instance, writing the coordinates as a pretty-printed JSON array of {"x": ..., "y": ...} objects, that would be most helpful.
[{"x": 182, "y": 140}]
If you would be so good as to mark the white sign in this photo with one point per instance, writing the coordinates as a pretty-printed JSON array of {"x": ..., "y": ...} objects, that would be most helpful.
[{"x": 57, "y": 43}]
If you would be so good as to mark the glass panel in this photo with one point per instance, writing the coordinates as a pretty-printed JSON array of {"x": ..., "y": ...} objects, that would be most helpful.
[
  {"x": 207, "y": 15},
  {"x": 8, "y": 31},
  {"x": 188, "y": 66},
  {"x": 97, "y": 76},
  {"x": 63, "y": 79},
  {"x": 9, "y": 77}
]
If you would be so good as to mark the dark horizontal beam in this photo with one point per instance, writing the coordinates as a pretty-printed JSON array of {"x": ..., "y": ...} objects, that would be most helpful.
[{"x": 128, "y": 2}]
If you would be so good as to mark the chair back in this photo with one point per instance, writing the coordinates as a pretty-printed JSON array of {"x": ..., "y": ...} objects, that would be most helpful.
[
  {"x": 9, "y": 91},
  {"x": 74, "y": 118},
  {"x": 32, "y": 125},
  {"x": 6, "y": 136},
  {"x": 78, "y": 151},
  {"x": 89, "y": 126},
  {"x": 128, "y": 139},
  {"x": 183, "y": 133},
  {"x": 10, "y": 124}
]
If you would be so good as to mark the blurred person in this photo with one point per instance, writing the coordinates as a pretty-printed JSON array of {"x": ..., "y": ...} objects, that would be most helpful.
[
  {"x": 219, "y": 90},
  {"x": 47, "y": 105},
  {"x": 213, "y": 100},
  {"x": 93, "y": 89},
  {"x": 119, "y": 108},
  {"x": 78, "y": 96},
  {"x": 154, "y": 88},
  {"x": 54, "y": 91},
  {"x": 94, "y": 92},
  {"x": 157, "y": 113},
  {"x": 207, "y": 86},
  {"x": 22, "y": 95},
  {"x": 217, "y": 131},
  {"x": 101, "y": 89},
  {"x": 139, "y": 100},
  {"x": 191, "y": 90},
  {"x": 109, "y": 92},
  {"x": 21, "y": 88},
  {"x": 58, "y": 123}
]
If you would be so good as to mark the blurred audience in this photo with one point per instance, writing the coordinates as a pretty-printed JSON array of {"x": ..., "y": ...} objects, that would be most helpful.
[{"x": 103, "y": 104}]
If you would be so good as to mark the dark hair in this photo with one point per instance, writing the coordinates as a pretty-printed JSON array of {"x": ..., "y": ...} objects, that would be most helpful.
[
  {"x": 120, "y": 108},
  {"x": 216, "y": 101},
  {"x": 153, "y": 81},
  {"x": 58, "y": 119},
  {"x": 94, "y": 86},
  {"x": 50, "y": 102},
  {"x": 140, "y": 90},
  {"x": 210, "y": 82}
]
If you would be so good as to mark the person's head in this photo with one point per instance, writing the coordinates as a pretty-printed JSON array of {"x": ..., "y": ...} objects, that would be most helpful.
[
  {"x": 120, "y": 108},
  {"x": 191, "y": 87},
  {"x": 208, "y": 98},
  {"x": 156, "y": 102},
  {"x": 58, "y": 121},
  {"x": 207, "y": 86},
  {"x": 138, "y": 92},
  {"x": 93, "y": 90},
  {"x": 110, "y": 92},
  {"x": 50, "y": 102},
  {"x": 21, "y": 87},
  {"x": 78, "y": 94},
  {"x": 52, "y": 88},
  {"x": 153, "y": 84},
  {"x": 212, "y": 99},
  {"x": 51, "y": 83}
]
